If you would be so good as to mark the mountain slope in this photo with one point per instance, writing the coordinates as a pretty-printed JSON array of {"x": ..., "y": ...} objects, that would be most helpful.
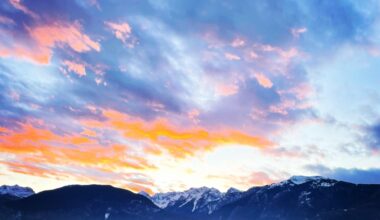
[
  {"x": 312, "y": 198},
  {"x": 305, "y": 198},
  {"x": 16, "y": 191},
  {"x": 84, "y": 202},
  {"x": 195, "y": 201}
]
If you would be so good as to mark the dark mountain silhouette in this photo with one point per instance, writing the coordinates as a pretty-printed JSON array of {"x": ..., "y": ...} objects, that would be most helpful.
[
  {"x": 83, "y": 202},
  {"x": 312, "y": 198}
]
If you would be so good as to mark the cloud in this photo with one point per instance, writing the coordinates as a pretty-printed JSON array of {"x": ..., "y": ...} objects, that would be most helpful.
[
  {"x": 77, "y": 68},
  {"x": 372, "y": 136},
  {"x": 260, "y": 179},
  {"x": 354, "y": 175},
  {"x": 6, "y": 20},
  {"x": 18, "y": 5},
  {"x": 227, "y": 89},
  {"x": 48, "y": 36},
  {"x": 35, "y": 149},
  {"x": 263, "y": 80},
  {"x": 296, "y": 32},
  {"x": 231, "y": 56},
  {"x": 179, "y": 142},
  {"x": 237, "y": 42},
  {"x": 45, "y": 38},
  {"x": 74, "y": 150},
  {"x": 122, "y": 31}
]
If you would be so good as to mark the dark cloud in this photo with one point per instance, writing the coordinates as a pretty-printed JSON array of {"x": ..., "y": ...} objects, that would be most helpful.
[
  {"x": 360, "y": 176},
  {"x": 372, "y": 136}
]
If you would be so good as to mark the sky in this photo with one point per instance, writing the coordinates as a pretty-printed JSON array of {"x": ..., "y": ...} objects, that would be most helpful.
[{"x": 164, "y": 95}]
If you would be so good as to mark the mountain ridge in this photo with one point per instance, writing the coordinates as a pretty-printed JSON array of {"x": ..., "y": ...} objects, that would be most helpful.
[{"x": 298, "y": 197}]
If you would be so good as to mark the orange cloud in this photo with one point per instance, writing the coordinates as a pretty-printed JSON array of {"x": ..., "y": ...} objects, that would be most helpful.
[
  {"x": 178, "y": 141},
  {"x": 124, "y": 180},
  {"x": 41, "y": 152},
  {"x": 77, "y": 68},
  {"x": 263, "y": 80},
  {"x": 41, "y": 146},
  {"x": 88, "y": 132}
]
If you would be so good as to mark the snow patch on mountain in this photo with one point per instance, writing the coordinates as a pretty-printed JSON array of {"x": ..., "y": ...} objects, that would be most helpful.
[
  {"x": 317, "y": 181},
  {"x": 143, "y": 193},
  {"x": 202, "y": 199},
  {"x": 207, "y": 200},
  {"x": 16, "y": 190},
  {"x": 303, "y": 179},
  {"x": 193, "y": 195}
]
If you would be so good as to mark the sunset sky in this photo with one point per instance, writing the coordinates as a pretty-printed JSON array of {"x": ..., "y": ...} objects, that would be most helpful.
[{"x": 167, "y": 95}]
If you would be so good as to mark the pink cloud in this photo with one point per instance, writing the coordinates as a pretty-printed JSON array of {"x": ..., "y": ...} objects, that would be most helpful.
[
  {"x": 6, "y": 20},
  {"x": 252, "y": 55},
  {"x": 288, "y": 104},
  {"x": 212, "y": 39},
  {"x": 300, "y": 91},
  {"x": 283, "y": 53},
  {"x": 122, "y": 31},
  {"x": 231, "y": 56},
  {"x": 48, "y": 36},
  {"x": 288, "y": 54},
  {"x": 296, "y": 32},
  {"x": 15, "y": 96},
  {"x": 193, "y": 115},
  {"x": 45, "y": 38},
  {"x": 283, "y": 107},
  {"x": 237, "y": 42},
  {"x": 20, "y": 51},
  {"x": 18, "y": 5},
  {"x": 263, "y": 80},
  {"x": 373, "y": 51},
  {"x": 75, "y": 67},
  {"x": 260, "y": 178},
  {"x": 94, "y": 3},
  {"x": 257, "y": 114},
  {"x": 227, "y": 89}
]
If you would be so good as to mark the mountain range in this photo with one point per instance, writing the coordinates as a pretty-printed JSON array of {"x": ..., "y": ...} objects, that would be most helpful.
[{"x": 300, "y": 197}]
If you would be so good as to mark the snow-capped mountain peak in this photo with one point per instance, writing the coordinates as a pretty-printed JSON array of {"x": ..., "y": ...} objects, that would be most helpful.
[
  {"x": 203, "y": 199},
  {"x": 16, "y": 190},
  {"x": 303, "y": 179},
  {"x": 206, "y": 200},
  {"x": 143, "y": 193},
  {"x": 232, "y": 190},
  {"x": 180, "y": 199},
  {"x": 316, "y": 181}
]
